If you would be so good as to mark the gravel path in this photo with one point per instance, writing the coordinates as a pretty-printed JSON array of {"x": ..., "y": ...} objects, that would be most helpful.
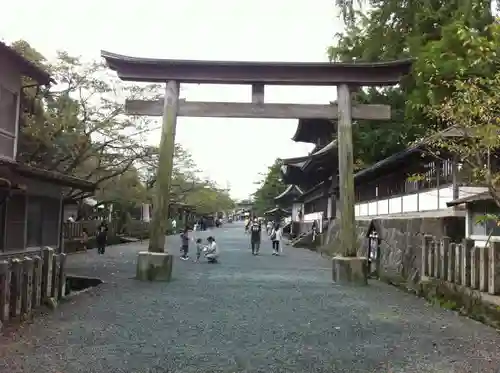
[{"x": 246, "y": 314}]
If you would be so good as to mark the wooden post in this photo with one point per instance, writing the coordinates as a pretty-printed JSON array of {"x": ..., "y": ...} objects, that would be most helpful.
[
  {"x": 451, "y": 263},
  {"x": 467, "y": 246},
  {"x": 431, "y": 258},
  {"x": 346, "y": 173},
  {"x": 27, "y": 290},
  {"x": 475, "y": 267},
  {"x": 47, "y": 255},
  {"x": 444, "y": 255},
  {"x": 4, "y": 291},
  {"x": 494, "y": 270},
  {"x": 426, "y": 247},
  {"x": 61, "y": 291},
  {"x": 37, "y": 281},
  {"x": 458, "y": 264},
  {"x": 484, "y": 264},
  {"x": 54, "y": 291},
  {"x": 16, "y": 287},
  {"x": 159, "y": 222}
]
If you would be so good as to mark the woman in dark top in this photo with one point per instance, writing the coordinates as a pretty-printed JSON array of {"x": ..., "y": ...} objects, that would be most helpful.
[{"x": 101, "y": 237}]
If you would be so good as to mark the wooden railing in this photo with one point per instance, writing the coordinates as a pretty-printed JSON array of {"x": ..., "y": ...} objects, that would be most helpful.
[
  {"x": 26, "y": 283},
  {"x": 75, "y": 230},
  {"x": 462, "y": 263}
]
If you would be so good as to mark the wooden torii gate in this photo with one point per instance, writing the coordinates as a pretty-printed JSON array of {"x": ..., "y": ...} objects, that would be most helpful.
[{"x": 346, "y": 76}]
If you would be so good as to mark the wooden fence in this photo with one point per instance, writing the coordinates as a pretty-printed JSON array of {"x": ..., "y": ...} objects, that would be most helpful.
[
  {"x": 75, "y": 230},
  {"x": 26, "y": 283},
  {"x": 462, "y": 263}
]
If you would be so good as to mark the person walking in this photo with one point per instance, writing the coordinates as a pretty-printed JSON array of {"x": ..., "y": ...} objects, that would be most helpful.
[
  {"x": 255, "y": 236},
  {"x": 185, "y": 244},
  {"x": 275, "y": 236},
  {"x": 102, "y": 237},
  {"x": 247, "y": 224},
  {"x": 269, "y": 227}
]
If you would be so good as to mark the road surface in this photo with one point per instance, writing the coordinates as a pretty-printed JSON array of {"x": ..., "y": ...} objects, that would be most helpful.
[{"x": 246, "y": 314}]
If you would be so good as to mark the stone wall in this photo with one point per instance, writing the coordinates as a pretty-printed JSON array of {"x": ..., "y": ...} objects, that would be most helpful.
[{"x": 400, "y": 242}]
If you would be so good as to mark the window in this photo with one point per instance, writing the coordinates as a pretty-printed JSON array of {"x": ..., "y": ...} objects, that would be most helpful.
[
  {"x": 8, "y": 110},
  {"x": 15, "y": 222},
  {"x": 486, "y": 227},
  {"x": 34, "y": 221},
  {"x": 8, "y": 122}
]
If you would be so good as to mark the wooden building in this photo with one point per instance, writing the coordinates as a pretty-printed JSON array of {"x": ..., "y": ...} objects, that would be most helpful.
[
  {"x": 287, "y": 201},
  {"x": 413, "y": 183},
  {"x": 31, "y": 199},
  {"x": 312, "y": 174},
  {"x": 477, "y": 207}
]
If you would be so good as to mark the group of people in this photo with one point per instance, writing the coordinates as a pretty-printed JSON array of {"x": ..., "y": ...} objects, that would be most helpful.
[
  {"x": 273, "y": 230},
  {"x": 209, "y": 250},
  {"x": 101, "y": 238}
]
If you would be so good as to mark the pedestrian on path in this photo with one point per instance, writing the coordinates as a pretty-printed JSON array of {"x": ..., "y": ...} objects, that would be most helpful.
[
  {"x": 275, "y": 236},
  {"x": 212, "y": 251},
  {"x": 102, "y": 237},
  {"x": 255, "y": 236},
  {"x": 269, "y": 227},
  {"x": 199, "y": 249},
  {"x": 174, "y": 226},
  {"x": 185, "y": 244},
  {"x": 247, "y": 224}
]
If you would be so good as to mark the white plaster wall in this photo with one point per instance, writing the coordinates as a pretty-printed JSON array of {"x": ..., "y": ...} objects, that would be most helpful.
[
  {"x": 372, "y": 208},
  {"x": 410, "y": 203},
  {"x": 315, "y": 216},
  {"x": 296, "y": 207},
  {"x": 395, "y": 205},
  {"x": 429, "y": 200},
  {"x": 383, "y": 207}
]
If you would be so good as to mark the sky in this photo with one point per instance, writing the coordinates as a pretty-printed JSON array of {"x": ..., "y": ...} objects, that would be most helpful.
[{"x": 233, "y": 152}]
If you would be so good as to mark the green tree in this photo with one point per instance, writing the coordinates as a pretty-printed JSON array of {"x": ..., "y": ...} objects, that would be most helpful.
[
  {"x": 269, "y": 187},
  {"x": 187, "y": 184},
  {"x": 209, "y": 199},
  {"x": 396, "y": 29},
  {"x": 78, "y": 126},
  {"x": 468, "y": 101}
]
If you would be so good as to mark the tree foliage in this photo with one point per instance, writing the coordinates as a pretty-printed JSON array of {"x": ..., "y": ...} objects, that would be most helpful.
[
  {"x": 469, "y": 101},
  {"x": 269, "y": 187},
  {"x": 187, "y": 184},
  {"x": 79, "y": 127},
  {"x": 396, "y": 29}
]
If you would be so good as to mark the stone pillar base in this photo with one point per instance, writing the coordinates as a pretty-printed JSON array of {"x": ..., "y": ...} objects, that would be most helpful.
[
  {"x": 154, "y": 266},
  {"x": 350, "y": 270}
]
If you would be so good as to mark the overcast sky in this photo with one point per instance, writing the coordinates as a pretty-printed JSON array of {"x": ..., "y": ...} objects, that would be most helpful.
[{"x": 260, "y": 30}]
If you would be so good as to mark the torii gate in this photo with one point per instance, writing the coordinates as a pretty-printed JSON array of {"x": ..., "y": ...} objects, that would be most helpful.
[{"x": 346, "y": 76}]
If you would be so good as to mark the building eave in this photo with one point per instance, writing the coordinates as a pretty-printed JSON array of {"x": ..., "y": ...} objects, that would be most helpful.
[
  {"x": 484, "y": 196},
  {"x": 309, "y": 129},
  {"x": 49, "y": 176},
  {"x": 25, "y": 66},
  {"x": 324, "y": 153},
  {"x": 404, "y": 155},
  {"x": 289, "y": 191}
]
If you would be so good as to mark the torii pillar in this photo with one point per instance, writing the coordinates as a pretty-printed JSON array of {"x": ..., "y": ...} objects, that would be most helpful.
[{"x": 348, "y": 267}]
